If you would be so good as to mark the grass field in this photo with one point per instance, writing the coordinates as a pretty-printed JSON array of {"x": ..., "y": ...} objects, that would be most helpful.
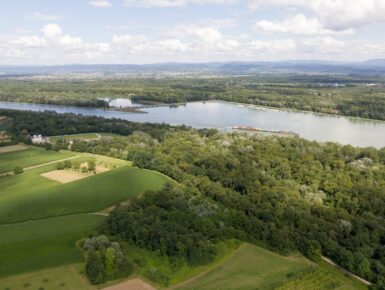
[
  {"x": 250, "y": 267},
  {"x": 151, "y": 261},
  {"x": 65, "y": 277},
  {"x": 30, "y": 196},
  {"x": 45, "y": 243},
  {"x": 323, "y": 277},
  {"x": 29, "y": 157},
  {"x": 85, "y": 136}
]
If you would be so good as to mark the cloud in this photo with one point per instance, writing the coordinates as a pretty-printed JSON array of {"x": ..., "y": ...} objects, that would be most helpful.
[
  {"x": 100, "y": 3},
  {"x": 173, "y": 3},
  {"x": 186, "y": 43},
  {"x": 327, "y": 45},
  {"x": 297, "y": 24},
  {"x": 51, "y": 30},
  {"x": 29, "y": 41},
  {"x": 334, "y": 14},
  {"x": 46, "y": 17}
]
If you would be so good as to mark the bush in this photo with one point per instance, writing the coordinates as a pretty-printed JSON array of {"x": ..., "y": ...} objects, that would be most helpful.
[
  {"x": 60, "y": 165},
  {"x": 18, "y": 170},
  {"x": 94, "y": 268}
]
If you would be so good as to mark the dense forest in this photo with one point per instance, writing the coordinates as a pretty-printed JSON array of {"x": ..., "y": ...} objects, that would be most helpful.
[
  {"x": 358, "y": 96},
  {"x": 287, "y": 194}
]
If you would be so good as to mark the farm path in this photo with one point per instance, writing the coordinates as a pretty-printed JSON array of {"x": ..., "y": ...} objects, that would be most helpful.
[
  {"x": 208, "y": 270},
  {"x": 40, "y": 165},
  {"x": 327, "y": 260},
  {"x": 49, "y": 163},
  {"x": 54, "y": 217}
]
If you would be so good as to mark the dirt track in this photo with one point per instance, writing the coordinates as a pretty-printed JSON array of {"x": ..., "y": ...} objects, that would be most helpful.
[{"x": 133, "y": 284}]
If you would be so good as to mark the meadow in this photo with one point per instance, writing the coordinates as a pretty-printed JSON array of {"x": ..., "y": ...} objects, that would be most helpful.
[
  {"x": 30, "y": 196},
  {"x": 65, "y": 277},
  {"x": 29, "y": 157},
  {"x": 34, "y": 245},
  {"x": 250, "y": 267}
]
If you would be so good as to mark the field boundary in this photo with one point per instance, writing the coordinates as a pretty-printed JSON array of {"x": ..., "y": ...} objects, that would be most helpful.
[
  {"x": 55, "y": 217},
  {"x": 329, "y": 261},
  {"x": 41, "y": 165},
  {"x": 243, "y": 245}
]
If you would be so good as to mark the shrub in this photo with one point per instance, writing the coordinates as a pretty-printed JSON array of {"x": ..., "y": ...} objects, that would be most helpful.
[
  {"x": 18, "y": 170},
  {"x": 94, "y": 268}
]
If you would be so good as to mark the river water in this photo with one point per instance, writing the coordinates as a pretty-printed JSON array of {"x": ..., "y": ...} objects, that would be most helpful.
[{"x": 222, "y": 115}]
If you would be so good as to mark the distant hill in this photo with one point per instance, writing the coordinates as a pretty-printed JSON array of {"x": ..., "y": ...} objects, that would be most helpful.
[{"x": 374, "y": 66}]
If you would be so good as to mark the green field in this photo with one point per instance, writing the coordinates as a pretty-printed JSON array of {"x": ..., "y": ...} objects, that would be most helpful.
[
  {"x": 250, "y": 267},
  {"x": 65, "y": 277},
  {"x": 30, "y": 196},
  {"x": 29, "y": 157},
  {"x": 323, "y": 277},
  {"x": 85, "y": 136},
  {"x": 45, "y": 243}
]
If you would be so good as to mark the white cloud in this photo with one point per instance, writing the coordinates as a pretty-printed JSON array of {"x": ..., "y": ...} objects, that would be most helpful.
[
  {"x": 297, "y": 24},
  {"x": 46, "y": 17},
  {"x": 100, "y": 3},
  {"x": 29, "y": 41},
  {"x": 326, "y": 45},
  {"x": 273, "y": 46},
  {"x": 51, "y": 30},
  {"x": 334, "y": 14},
  {"x": 173, "y": 3}
]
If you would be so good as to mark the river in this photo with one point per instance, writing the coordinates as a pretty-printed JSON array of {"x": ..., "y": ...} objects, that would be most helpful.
[{"x": 222, "y": 115}]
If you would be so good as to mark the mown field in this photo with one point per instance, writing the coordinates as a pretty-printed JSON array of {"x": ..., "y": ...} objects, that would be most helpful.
[
  {"x": 34, "y": 245},
  {"x": 65, "y": 277},
  {"x": 30, "y": 196},
  {"x": 41, "y": 220},
  {"x": 85, "y": 136},
  {"x": 29, "y": 157},
  {"x": 251, "y": 267},
  {"x": 322, "y": 277}
]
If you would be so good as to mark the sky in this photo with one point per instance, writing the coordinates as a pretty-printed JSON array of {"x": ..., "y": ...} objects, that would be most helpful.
[{"x": 48, "y": 32}]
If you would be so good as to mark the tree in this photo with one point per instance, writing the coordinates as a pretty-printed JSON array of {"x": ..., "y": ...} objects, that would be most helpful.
[
  {"x": 91, "y": 166},
  {"x": 18, "y": 170},
  {"x": 110, "y": 262},
  {"x": 67, "y": 164},
  {"x": 59, "y": 166},
  {"x": 94, "y": 268}
]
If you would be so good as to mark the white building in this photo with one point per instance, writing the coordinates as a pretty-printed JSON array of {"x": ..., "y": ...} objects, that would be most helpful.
[{"x": 39, "y": 139}]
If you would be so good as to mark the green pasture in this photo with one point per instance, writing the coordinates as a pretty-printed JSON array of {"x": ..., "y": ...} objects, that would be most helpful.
[
  {"x": 324, "y": 276},
  {"x": 29, "y": 157},
  {"x": 30, "y": 196},
  {"x": 65, "y": 277},
  {"x": 34, "y": 245},
  {"x": 250, "y": 267}
]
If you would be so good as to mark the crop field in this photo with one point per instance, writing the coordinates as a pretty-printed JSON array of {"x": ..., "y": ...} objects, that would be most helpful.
[
  {"x": 30, "y": 196},
  {"x": 34, "y": 245},
  {"x": 29, "y": 157}
]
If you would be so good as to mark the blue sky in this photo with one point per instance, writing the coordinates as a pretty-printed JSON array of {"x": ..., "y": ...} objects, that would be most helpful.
[{"x": 153, "y": 31}]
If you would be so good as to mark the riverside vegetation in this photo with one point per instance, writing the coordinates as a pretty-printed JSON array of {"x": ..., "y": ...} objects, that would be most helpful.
[
  {"x": 287, "y": 194},
  {"x": 350, "y": 95}
]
